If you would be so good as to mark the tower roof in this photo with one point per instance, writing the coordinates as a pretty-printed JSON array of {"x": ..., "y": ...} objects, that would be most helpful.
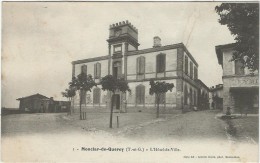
[{"x": 123, "y": 23}]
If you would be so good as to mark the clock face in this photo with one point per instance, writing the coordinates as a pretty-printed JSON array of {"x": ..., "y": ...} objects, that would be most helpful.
[{"x": 117, "y": 33}]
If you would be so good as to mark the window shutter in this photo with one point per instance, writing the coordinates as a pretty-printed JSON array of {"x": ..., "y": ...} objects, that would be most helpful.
[
  {"x": 163, "y": 62},
  {"x": 95, "y": 71},
  {"x": 137, "y": 65},
  {"x": 186, "y": 64},
  {"x": 142, "y": 65},
  {"x": 191, "y": 70},
  {"x": 84, "y": 69},
  {"x": 143, "y": 94},
  {"x": 99, "y": 70},
  {"x": 137, "y": 95}
]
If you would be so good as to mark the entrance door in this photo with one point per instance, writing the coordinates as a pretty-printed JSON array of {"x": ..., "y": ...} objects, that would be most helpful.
[
  {"x": 244, "y": 102},
  {"x": 116, "y": 101}
]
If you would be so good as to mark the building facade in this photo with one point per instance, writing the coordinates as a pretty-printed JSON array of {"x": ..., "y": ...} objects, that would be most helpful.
[
  {"x": 240, "y": 85},
  {"x": 170, "y": 63},
  {"x": 216, "y": 97}
]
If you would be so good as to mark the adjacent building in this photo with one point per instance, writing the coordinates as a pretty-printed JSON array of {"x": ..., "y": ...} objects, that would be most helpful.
[
  {"x": 216, "y": 97},
  {"x": 203, "y": 95},
  {"x": 169, "y": 63},
  {"x": 38, "y": 103},
  {"x": 240, "y": 85}
]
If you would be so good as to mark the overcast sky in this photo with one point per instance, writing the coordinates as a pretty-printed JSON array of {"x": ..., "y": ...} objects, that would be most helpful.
[{"x": 40, "y": 39}]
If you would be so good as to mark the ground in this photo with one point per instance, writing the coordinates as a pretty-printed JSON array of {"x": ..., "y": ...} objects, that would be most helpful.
[{"x": 180, "y": 130}]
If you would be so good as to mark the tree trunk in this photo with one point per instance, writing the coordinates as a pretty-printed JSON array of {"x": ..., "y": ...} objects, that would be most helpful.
[
  {"x": 80, "y": 99},
  {"x": 157, "y": 111},
  {"x": 111, "y": 112},
  {"x": 73, "y": 110},
  {"x": 70, "y": 106}
]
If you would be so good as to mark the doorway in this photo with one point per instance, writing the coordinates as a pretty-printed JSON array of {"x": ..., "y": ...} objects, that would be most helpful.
[{"x": 244, "y": 102}]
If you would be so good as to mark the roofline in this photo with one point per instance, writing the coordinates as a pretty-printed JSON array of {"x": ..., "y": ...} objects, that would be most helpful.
[
  {"x": 90, "y": 59},
  {"x": 143, "y": 51},
  {"x": 198, "y": 80},
  {"x": 219, "y": 51},
  {"x": 32, "y": 95}
]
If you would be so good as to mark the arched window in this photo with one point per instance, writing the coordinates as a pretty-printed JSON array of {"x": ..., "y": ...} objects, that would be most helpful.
[
  {"x": 96, "y": 95},
  {"x": 185, "y": 94},
  {"x": 140, "y": 94},
  {"x": 160, "y": 63},
  {"x": 84, "y": 69},
  {"x": 97, "y": 70},
  {"x": 140, "y": 65},
  {"x": 117, "y": 69}
]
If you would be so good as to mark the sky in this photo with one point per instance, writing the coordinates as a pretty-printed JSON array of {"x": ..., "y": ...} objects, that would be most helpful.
[{"x": 41, "y": 39}]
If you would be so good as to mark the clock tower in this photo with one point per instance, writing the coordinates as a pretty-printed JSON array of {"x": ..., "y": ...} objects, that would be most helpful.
[{"x": 123, "y": 37}]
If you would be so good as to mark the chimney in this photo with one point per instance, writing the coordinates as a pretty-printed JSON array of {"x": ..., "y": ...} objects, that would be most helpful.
[{"x": 157, "y": 42}]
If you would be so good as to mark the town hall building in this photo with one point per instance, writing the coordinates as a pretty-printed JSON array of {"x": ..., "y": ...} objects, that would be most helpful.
[{"x": 169, "y": 63}]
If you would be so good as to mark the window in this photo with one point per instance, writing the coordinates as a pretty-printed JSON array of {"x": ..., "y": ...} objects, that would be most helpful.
[
  {"x": 186, "y": 65},
  {"x": 84, "y": 69},
  {"x": 160, "y": 63},
  {"x": 117, "y": 69},
  {"x": 195, "y": 73},
  {"x": 140, "y": 65},
  {"x": 140, "y": 94},
  {"x": 97, "y": 70},
  {"x": 96, "y": 95},
  {"x": 185, "y": 95},
  {"x": 239, "y": 70},
  {"x": 191, "y": 70},
  {"x": 117, "y": 48}
]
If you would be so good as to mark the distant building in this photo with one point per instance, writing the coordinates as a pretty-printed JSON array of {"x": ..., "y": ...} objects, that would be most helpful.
[
  {"x": 240, "y": 85},
  {"x": 216, "y": 97},
  {"x": 169, "y": 63},
  {"x": 38, "y": 103},
  {"x": 203, "y": 95}
]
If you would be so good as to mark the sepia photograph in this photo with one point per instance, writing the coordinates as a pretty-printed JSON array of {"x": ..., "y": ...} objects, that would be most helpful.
[{"x": 130, "y": 81}]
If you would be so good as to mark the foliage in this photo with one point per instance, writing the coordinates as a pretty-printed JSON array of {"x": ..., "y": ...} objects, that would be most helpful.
[
  {"x": 83, "y": 83},
  {"x": 111, "y": 83},
  {"x": 242, "y": 19},
  {"x": 160, "y": 87},
  {"x": 69, "y": 93}
]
